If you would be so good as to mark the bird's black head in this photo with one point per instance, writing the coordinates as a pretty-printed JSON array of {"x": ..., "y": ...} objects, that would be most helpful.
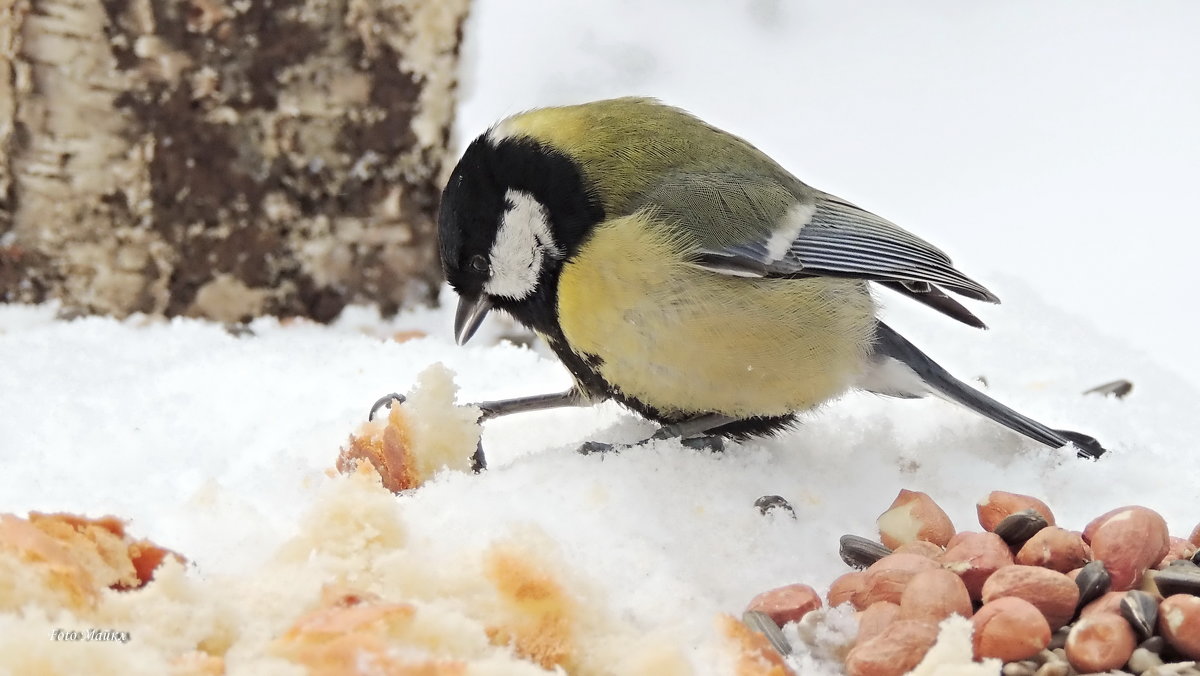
[{"x": 512, "y": 212}]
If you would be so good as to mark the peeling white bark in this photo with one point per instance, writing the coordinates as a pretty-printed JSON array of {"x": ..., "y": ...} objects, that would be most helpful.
[{"x": 289, "y": 158}]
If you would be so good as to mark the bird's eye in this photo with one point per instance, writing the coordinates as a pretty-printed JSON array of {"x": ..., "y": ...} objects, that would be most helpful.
[{"x": 479, "y": 263}]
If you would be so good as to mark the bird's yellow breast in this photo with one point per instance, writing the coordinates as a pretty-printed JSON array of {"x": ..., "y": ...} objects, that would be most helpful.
[{"x": 690, "y": 341}]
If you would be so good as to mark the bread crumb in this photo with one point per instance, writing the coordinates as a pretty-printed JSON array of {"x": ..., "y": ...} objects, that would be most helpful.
[
  {"x": 953, "y": 655},
  {"x": 350, "y": 594},
  {"x": 65, "y": 560},
  {"x": 542, "y": 616},
  {"x": 423, "y": 435}
]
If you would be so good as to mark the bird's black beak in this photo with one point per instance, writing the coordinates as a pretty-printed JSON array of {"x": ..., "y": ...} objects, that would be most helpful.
[{"x": 469, "y": 316}]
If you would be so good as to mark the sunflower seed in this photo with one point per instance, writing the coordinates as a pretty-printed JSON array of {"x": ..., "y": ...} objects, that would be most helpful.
[
  {"x": 1186, "y": 564},
  {"x": 762, "y": 623},
  {"x": 1196, "y": 557},
  {"x": 1093, "y": 580},
  {"x": 1141, "y": 611},
  {"x": 859, "y": 552},
  {"x": 1117, "y": 388},
  {"x": 1177, "y": 580},
  {"x": 769, "y": 502},
  {"x": 1018, "y": 527}
]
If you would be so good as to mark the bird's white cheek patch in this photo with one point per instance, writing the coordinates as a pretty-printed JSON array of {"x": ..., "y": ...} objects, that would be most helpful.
[{"x": 522, "y": 242}]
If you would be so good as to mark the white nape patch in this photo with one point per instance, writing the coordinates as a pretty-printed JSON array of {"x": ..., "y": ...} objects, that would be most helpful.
[
  {"x": 522, "y": 243},
  {"x": 500, "y": 131},
  {"x": 788, "y": 229},
  {"x": 886, "y": 375}
]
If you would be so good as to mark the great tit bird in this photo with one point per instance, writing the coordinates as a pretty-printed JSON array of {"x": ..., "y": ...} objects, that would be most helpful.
[{"x": 677, "y": 269}]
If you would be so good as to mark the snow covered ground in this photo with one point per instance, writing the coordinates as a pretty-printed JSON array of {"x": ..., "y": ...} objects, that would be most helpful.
[
  {"x": 216, "y": 446},
  {"x": 1048, "y": 147}
]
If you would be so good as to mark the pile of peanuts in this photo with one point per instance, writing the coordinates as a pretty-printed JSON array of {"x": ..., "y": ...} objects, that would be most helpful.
[{"x": 1123, "y": 594}]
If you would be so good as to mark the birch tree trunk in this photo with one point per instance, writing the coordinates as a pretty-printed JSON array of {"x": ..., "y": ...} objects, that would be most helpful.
[{"x": 223, "y": 158}]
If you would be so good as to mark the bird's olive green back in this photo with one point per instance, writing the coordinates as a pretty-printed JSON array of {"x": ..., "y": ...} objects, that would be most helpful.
[{"x": 638, "y": 154}]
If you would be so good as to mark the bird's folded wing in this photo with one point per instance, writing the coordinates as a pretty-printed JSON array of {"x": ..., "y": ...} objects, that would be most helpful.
[
  {"x": 841, "y": 239},
  {"x": 754, "y": 225}
]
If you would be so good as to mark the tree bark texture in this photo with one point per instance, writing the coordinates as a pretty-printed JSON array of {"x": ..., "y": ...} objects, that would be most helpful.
[{"x": 223, "y": 158}]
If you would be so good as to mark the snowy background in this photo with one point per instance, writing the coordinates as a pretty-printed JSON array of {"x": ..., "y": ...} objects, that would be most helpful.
[
  {"x": 1056, "y": 141},
  {"x": 1048, "y": 147}
]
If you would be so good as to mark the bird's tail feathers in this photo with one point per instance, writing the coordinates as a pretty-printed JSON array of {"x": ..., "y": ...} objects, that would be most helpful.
[{"x": 903, "y": 370}]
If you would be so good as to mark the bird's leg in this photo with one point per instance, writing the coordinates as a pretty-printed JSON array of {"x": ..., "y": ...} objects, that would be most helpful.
[
  {"x": 692, "y": 433},
  {"x": 692, "y": 427},
  {"x": 537, "y": 402},
  {"x": 500, "y": 407}
]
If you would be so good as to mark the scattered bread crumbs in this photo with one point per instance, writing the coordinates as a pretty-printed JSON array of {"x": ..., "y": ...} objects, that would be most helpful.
[
  {"x": 67, "y": 559},
  {"x": 542, "y": 614},
  {"x": 386, "y": 446},
  {"x": 349, "y": 595},
  {"x": 350, "y": 630}
]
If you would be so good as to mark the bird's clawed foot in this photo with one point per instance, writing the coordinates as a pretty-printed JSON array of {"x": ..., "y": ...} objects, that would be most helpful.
[
  {"x": 704, "y": 442},
  {"x": 478, "y": 459},
  {"x": 384, "y": 402},
  {"x": 710, "y": 443},
  {"x": 692, "y": 433}
]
